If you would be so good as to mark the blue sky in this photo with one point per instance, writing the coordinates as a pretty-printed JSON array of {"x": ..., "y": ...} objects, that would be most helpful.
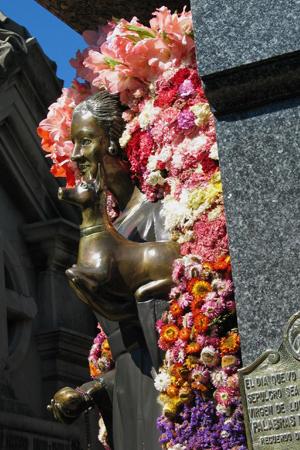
[{"x": 58, "y": 41}]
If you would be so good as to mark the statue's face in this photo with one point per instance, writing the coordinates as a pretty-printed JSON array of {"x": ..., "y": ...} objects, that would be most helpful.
[{"x": 90, "y": 144}]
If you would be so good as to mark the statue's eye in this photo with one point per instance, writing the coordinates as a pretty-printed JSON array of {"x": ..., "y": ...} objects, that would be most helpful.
[{"x": 85, "y": 141}]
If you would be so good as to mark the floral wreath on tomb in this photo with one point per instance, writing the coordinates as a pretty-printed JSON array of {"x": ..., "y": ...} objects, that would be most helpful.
[{"x": 170, "y": 142}]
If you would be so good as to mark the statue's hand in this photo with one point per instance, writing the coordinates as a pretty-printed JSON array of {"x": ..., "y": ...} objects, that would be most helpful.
[{"x": 67, "y": 405}]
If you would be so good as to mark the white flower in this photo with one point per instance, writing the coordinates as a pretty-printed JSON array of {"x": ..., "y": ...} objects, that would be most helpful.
[
  {"x": 215, "y": 213},
  {"x": 177, "y": 447},
  {"x": 175, "y": 212},
  {"x": 181, "y": 356},
  {"x": 144, "y": 117},
  {"x": 102, "y": 435},
  {"x": 124, "y": 139},
  {"x": 152, "y": 163},
  {"x": 218, "y": 378},
  {"x": 165, "y": 153},
  {"x": 224, "y": 434},
  {"x": 162, "y": 381},
  {"x": 155, "y": 178},
  {"x": 199, "y": 168},
  {"x": 202, "y": 112},
  {"x": 224, "y": 410},
  {"x": 188, "y": 236},
  {"x": 214, "y": 152}
]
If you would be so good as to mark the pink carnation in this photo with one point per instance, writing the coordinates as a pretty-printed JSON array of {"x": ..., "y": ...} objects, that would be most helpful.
[
  {"x": 186, "y": 119},
  {"x": 186, "y": 89}
]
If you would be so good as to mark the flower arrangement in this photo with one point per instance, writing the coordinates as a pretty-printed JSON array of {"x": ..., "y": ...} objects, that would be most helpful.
[
  {"x": 170, "y": 142},
  {"x": 100, "y": 359}
]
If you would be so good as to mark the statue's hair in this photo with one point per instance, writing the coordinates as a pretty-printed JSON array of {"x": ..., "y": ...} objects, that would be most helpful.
[{"x": 107, "y": 110}]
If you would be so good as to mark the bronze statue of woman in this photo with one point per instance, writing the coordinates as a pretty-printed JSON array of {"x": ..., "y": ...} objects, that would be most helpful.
[{"x": 128, "y": 391}]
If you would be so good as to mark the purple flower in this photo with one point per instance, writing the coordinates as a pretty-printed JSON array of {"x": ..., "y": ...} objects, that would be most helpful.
[
  {"x": 186, "y": 89},
  {"x": 186, "y": 119}
]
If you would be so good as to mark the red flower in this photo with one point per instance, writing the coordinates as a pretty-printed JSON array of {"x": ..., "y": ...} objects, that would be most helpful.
[
  {"x": 166, "y": 96},
  {"x": 180, "y": 76}
]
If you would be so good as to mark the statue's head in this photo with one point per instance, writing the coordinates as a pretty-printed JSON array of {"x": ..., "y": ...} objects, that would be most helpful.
[{"x": 96, "y": 128}]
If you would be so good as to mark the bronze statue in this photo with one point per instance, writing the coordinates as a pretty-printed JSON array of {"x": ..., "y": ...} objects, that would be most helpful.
[
  {"x": 113, "y": 274},
  {"x": 112, "y": 271}
]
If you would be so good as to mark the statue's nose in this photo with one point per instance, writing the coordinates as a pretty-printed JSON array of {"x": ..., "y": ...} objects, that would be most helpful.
[{"x": 77, "y": 153}]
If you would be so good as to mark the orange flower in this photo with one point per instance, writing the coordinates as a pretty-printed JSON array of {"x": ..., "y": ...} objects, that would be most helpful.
[
  {"x": 230, "y": 343},
  {"x": 201, "y": 323},
  {"x": 179, "y": 321},
  {"x": 172, "y": 391},
  {"x": 105, "y": 345},
  {"x": 186, "y": 394},
  {"x": 184, "y": 334},
  {"x": 223, "y": 263},
  {"x": 94, "y": 371},
  {"x": 169, "y": 333},
  {"x": 198, "y": 288},
  {"x": 180, "y": 371},
  {"x": 196, "y": 303},
  {"x": 200, "y": 387},
  {"x": 193, "y": 347},
  {"x": 175, "y": 309}
]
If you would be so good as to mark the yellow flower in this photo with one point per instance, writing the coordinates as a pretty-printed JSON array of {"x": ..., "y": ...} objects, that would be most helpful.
[
  {"x": 202, "y": 112},
  {"x": 196, "y": 198}
]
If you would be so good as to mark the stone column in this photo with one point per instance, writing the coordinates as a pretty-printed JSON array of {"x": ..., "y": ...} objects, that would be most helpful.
[{"x": 248, "y": 58}]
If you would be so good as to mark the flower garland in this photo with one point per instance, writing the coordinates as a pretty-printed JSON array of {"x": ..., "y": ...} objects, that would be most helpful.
[
  {"x": 170, "y": 142},
  {"x": 100, "y": 359}
]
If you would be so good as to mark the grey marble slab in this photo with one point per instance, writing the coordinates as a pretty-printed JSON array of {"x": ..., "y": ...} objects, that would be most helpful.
[{"x": 233, "y": 33}]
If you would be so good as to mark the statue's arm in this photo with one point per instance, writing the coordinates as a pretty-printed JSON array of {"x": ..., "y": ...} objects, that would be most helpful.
[{"x": 68, "y": 404}]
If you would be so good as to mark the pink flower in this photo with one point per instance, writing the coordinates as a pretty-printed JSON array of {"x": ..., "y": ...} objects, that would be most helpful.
[
  {"x": 224, "y": 396},
  {"x": 149, "y": 57},
  {"x": 178, "y": 270},
  {"x": 233, "y": 382},
  {"x": 176, "y": 27},
  {"x": 186, "y": 89},
  {"x": 219, "y": 378},
  {"x": 223, "y": 287},
  {"x": 188, "y": 320},
  {"x": 185, "y": 300},
  {"x": 159, "y": 325},
  {"x": 200, "y": 375},
  {"x": 230, "y": 305},
  {"x": 211, "y": 309},
  {"x": 186, "y": 119}
]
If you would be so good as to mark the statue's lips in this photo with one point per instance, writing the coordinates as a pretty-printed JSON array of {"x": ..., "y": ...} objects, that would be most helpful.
[{"x": 83, "y": 168}]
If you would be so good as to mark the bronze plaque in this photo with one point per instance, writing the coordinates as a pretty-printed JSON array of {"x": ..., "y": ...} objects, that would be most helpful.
[{"x": 270, "y": 389}]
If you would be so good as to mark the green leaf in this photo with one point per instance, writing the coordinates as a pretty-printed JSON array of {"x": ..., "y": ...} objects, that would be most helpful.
[
  {"x": 164, "y": 35},
  {"x": 140, "y": 31},
  {"x": 111, "y": 62},
  {"x": 117, "y": 20},
  {"x": 132, "y": 38}
]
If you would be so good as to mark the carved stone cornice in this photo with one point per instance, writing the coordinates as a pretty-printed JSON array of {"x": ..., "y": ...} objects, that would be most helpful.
[{"x": 88, "y": 14}]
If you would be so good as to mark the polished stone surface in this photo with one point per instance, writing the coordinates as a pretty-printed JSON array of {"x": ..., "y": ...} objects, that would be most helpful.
[
  {"x": 260, "y": 167},
  {"x": 234, "y": 33},
  {"x": 250, "y": 70}
]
